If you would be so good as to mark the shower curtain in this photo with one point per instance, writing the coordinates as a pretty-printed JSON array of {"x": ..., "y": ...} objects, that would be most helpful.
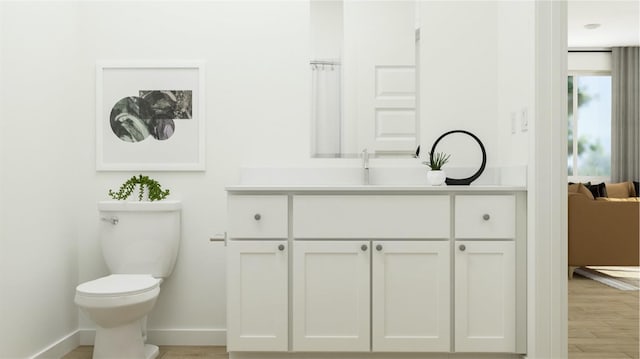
[{"x": 326, "y": 108}]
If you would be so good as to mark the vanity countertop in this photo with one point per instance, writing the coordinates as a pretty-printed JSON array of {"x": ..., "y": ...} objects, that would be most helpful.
[{"x": 370, "y": 188}]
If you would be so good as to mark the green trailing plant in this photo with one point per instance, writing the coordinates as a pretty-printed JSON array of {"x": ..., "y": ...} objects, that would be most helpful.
[
  {"x": 156, "y": 193},
  {"x": 437, "y": 160}
]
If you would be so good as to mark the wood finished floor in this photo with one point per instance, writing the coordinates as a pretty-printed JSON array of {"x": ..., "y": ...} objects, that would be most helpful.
[
  {"x": 603, "y": 321},
  {"x": 603, "y": 324},
  {"x": 166, "y": 352}
]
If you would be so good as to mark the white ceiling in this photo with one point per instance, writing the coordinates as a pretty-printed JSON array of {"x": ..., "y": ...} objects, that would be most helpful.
[{"x": 620, "y": 20}]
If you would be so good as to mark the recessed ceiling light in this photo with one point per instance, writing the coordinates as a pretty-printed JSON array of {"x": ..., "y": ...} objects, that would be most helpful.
[{"x": 591, "y": 26}]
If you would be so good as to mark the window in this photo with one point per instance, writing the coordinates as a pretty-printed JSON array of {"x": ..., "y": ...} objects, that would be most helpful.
[{"x": 589, "y": 130}]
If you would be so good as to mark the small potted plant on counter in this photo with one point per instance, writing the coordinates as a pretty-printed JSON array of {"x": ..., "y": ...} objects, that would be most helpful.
[{"x": 436, "y": 176}]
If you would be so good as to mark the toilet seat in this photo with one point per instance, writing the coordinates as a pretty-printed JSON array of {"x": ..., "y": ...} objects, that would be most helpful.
[{"x": 118, "y": 285}]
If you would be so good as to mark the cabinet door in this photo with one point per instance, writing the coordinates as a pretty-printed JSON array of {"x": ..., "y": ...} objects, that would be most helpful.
[
  {"x": 257, "y": 296},
  {"x": 411, "y": 294},
  {"x": 485, "y": 317},
  {"x": 331, "y": 296}
]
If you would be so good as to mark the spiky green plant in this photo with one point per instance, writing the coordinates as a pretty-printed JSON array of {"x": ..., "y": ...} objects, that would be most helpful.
[
  {"x": 437, "y": 160},
  {"x": 155, "y": 189}
]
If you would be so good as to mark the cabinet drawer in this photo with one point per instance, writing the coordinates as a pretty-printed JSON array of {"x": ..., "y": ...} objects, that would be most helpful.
[
  {"x": 258, "y": 216},
  {"x": 371, "y": 217},
  {"x": 485, "y": 217}
]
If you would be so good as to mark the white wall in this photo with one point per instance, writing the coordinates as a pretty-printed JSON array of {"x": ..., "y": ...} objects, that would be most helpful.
[
  {"x": 41, "y": 139},
  {"x": 458, "y": 78},
  {"x": 516, "y": 80}
]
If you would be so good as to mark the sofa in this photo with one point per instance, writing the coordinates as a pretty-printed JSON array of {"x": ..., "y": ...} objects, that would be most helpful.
[{"x": 603, "y": 231}]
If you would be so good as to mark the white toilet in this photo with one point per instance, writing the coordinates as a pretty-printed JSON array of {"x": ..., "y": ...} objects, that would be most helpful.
[{"x": 139, "y": 244}]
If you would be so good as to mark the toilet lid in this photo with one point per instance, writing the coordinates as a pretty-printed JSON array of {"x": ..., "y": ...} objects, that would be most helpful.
[{"x": 118, "y": 285}]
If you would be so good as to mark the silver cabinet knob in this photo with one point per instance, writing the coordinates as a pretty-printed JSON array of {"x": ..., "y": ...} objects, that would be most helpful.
[
  {"x": 486, "y": 216},
  {"x": 364, "y": 247},
  {"x": 462, "y": 247},
  {"x": 281, "y": 247},
  {"x": 379, "y": 247},
  {"x": 257, "y": 216}
]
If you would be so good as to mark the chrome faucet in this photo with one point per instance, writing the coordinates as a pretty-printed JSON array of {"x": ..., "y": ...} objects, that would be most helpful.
[{"x": 365, "y": 167}]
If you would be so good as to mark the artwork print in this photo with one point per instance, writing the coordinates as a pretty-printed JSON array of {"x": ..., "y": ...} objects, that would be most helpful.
[{"x": 150, "y": 116}]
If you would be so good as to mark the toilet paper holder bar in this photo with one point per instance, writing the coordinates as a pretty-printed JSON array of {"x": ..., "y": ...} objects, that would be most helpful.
[
  {"x": 113, "y": 220},
  {"x": 219, "y": 237}
]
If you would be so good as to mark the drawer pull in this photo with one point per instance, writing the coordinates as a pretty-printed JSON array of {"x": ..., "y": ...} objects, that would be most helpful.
[
  {"x": 257, "y": 216},
  {"x": 486, "y": 217},
  {"x": 364, "y": 247},
  {"x": 379, "y": 247},
  {"x": 462, "y": 247},
  {"x": 281, "y": 247}
]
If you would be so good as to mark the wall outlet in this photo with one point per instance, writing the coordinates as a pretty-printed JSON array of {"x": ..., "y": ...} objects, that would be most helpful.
[
  {"x": 524, "y": 120},
  {"x": 514, "y": 121}
]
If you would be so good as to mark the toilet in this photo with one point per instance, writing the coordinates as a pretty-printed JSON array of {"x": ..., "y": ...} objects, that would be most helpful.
[{"x": 139, "y": 243}]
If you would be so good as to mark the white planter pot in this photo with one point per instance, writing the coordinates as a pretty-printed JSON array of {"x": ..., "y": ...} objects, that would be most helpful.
[{"x": 436, "y": 178}]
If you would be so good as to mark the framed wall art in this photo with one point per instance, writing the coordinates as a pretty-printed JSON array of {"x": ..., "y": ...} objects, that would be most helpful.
[{"x": 150, "y": 116}]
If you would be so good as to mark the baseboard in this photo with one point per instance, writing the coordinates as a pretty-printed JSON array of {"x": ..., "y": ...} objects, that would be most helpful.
[
  {"x": 352, "y": 355},
  {"x": 187, "y": 336},
  {"x": 171, "y": 336},
  {"x": 86, "y": 336},
  {"x": 60, "y": 348}
]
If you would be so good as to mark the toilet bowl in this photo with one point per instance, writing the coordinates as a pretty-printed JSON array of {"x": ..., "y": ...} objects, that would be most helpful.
[
  {"x": 118, "y": 305},
  {"x": 139, "y": 243}
]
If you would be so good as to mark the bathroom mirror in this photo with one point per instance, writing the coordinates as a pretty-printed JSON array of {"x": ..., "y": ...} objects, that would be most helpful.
[{"x": 363, "y": 77}]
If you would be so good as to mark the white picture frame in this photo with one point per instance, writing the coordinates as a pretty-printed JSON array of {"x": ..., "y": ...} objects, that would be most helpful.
[{"x": 150, "y": 116}]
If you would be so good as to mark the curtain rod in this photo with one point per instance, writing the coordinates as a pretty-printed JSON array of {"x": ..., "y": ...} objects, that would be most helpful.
[
  {"x": 604, "y": 49},
  {"x": 324, "y": 62}
]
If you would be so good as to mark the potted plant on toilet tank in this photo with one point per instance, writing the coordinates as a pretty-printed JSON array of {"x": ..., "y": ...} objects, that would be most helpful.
[{"x": 147, "y": 189}]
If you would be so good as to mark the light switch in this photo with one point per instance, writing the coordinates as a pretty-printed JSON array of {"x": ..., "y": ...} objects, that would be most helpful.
[{"x": 524, "y": 120}]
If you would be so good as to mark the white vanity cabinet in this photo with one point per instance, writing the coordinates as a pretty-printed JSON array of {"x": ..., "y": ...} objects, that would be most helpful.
[{"x": 342, "y": 272}]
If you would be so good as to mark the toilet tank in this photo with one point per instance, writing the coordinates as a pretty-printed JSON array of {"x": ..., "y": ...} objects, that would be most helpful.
[{"x": 140, "y": 237}]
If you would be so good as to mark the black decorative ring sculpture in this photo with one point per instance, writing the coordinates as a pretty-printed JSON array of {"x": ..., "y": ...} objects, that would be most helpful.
[{"x": 462, "y": 181}]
